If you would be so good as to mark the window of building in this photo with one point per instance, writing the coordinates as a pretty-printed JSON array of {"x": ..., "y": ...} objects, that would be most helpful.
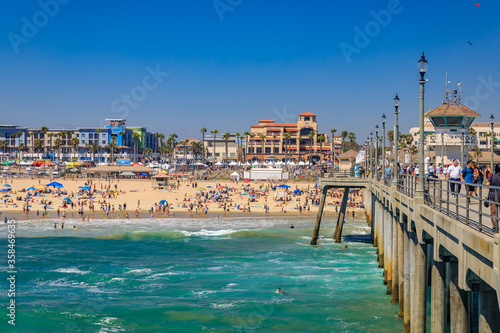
[
  {"x": 232, "y": 154},
  {"x": 268, "y": 150},
  {"x": 482, "y": 142},
  {"x": 307, "y": 118},
  {"x": 83, "y": 135},
  {"x": 223, "y": 154},
  {"x": 217, "y": 154},
  {"x": 259, "y": 150},
  {"x": 276, "y": 150},
  {"x": 83, "y": 142},
  {"x": 103, "y": 142},
  {"x": 482, "y": 133},
  {"x": 209, "y": 154}
]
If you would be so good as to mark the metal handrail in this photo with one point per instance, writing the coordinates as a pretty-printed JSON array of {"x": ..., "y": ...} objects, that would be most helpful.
[{"x": 452, "y": 199}]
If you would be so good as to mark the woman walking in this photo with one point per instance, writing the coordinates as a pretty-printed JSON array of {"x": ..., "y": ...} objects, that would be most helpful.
[{"x": 494, "y": 195}]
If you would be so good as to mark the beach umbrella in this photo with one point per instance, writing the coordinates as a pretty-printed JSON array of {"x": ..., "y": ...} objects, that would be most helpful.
[
  {"x": 54, "y": 184},
  {"x": 143, "y": 175},
  {"x": 59, "y": 186},
  {"x": 7, "y": 185},
  {"x": 252, "y": 196},
  {"x": 209, "y": 186},
  {"x": 31, "y": 188},
  {"x": 201, "y": 189},
  {"x": 87, "y": 188},
  {"x": 297, "y": 191},
  {"x": 246, "y": 181},
  {"x": 284, "y": 186},
  {"x": 164, "y": 202},
  {"x": 67, "y": 200}
]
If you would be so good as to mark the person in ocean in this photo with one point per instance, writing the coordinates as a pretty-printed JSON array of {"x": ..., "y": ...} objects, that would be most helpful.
[
  {"x": 55, "y": 225},
  {"x": 292, "y": 227},
  {"x": 279, "y": 291},
  {"x": 74, "y": 227}
]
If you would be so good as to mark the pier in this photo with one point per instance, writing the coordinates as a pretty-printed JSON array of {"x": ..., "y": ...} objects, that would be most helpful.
[{"x": 442, "y": 241}]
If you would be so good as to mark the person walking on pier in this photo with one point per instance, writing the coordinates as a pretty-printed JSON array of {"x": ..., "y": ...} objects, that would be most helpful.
[
  {"x": 454, "y": 173},
  {"x": 494, "y": 195},
  {"x": 467, "y": 177}
]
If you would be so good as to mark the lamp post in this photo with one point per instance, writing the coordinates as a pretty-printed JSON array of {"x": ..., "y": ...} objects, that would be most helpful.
[
  {"x": 376, "y": 149},
  {"x": 383, "y": 141},
  {"x": 492, "y": 121},
  {"x": 442, "y": 149},
  {"x": 422, "y": 68},
  {"x": 366, "y": 158},
  {"x": 396, "y": 142},
  {"x": 462, "y": 147},
  {"x": 371, "y": 155}
]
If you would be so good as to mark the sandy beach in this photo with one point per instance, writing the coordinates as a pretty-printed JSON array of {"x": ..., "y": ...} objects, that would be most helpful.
[{"x": 184, "y": 198}]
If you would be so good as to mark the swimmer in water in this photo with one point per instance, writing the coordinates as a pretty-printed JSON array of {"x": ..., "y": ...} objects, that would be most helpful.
[
  {"x": 292, "y": 227},
  {"x": 55, "y": 225},
  {"x": 279, "y": 291},
  {"x": 345, "y": 247},
  {"x": 74, "y": 227},
  {"x": 62, "y": 226}
]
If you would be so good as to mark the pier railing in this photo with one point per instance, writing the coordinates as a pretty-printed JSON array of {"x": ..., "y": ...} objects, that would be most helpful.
[{"x": 468, "y": 203}]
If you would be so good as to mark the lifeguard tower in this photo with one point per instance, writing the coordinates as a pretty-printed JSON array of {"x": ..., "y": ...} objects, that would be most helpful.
[{"x": 451, "y": 121}]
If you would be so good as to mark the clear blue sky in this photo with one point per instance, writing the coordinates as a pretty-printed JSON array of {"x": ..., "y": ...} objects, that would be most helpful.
[{"x": 228, "y": 69}]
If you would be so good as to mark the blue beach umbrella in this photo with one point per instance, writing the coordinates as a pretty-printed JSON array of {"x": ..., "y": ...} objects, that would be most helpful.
[
  {"x": 209, "y": 186},
  {"x": 7, "y": 185},
  {"x": 284, "y": 186},
  {"x": 143, "y": 175},
  {"x": 87, "y": 188},
  {"x": 54, "y": 184},
  {"x": 252, "y": 196},
  {"x": 4, "y": 190},
  {"x": 297, "y": 191},
  {"x": 31, "y": 188},
  {"x": 68, "y": 200},
  {"x": 164, "y": 202}
]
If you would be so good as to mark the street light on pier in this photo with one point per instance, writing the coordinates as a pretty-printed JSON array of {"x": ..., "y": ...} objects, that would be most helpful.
[
  {"x": 422, "y": 68},
  {"x": 396, "y": 142},
  {"x": 442, "y": 150},
  {"x": 376, "y": 147},
  {"x": 371, "y": 157},
  {"x": 492, "y": 121},
  {"x": 383, "y": 141}
]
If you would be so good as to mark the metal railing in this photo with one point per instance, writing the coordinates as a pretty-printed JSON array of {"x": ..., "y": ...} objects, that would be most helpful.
[{"x": 468, "y": 203}]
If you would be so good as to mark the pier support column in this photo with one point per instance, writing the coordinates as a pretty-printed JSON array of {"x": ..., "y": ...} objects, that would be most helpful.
[
  {"x": 459, "y": 320},
  {"x": 388, "y": 250},
  {"x": 395, "y": 261},
  {"x": 438, "y": 297},
  {"x": 406, "y": 283},
  {"x": 340, "y": 219},
  {"x": 418, "y": 299},
  {"x": 314, "y": 240},
  {"x": 489, "y": 317},
  {"x": 401, "y": 270},
  {"x": 375, "y": 221},
  {"x": 380, "y": 237}
]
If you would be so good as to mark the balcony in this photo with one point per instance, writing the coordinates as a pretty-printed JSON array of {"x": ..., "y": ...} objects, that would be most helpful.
[{"x": 450, "y": 140}]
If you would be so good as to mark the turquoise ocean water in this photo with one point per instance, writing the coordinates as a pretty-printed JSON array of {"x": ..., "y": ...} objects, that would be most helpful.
[{"x": 196, "y": 275}]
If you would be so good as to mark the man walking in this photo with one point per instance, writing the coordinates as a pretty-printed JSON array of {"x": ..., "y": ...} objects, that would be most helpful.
[{"x": 454, "y": 172}]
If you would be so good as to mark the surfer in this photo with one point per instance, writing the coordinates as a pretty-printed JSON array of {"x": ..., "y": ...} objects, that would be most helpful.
[{"x": 279, "y": 291}]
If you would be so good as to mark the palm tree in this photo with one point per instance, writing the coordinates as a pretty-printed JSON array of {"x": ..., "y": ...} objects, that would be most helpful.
[
  {"x": 226, "y": 137},
  {"x": 352, "y": 137},
  {"x": 247, "y": 135},
  {"x": 19, "y": 135},
  {"x": 93, "y": 148},
  {"x": 44, "y": 130},
  {"x": 311, "y": 140},
  {"x": 98, "y": 131},
  {"x": 477, "y": 153},
  {"x": 157, "y": 135},
  {"x": 203, "y": 130},
  {"x": 242, "y": 150},
  {"x": 321, "y": 138},
  {"x": 58, "y": 144},
  {"x": 185, "y": 144},
  {"x": 39, "y": 145},
  {"x": 112, "y": 147},
  {"x": 288, "y": 135},
  {"x": 262, "y": 141},
  {"x": 32, "y": 134},
  {"x": 3, "y": 145},
  {"x": 214, "y": 132},
  {"x": 172, "y": 144},
  {"x": 333, "y": 130},
  {"x": 75, "y": 142},
  {"x": 136, "y": 136},
  {"x": 237, "y": 137},
  {"x": 472, "y": 131},
  {"x": 197, "y": 149},
  {"x": 161, "y": 137},
  {"x": 51, "y": 135},
  {"x": 343, "y": 136},
  {"x": 148, "y": 152},
  {"x": 22, "y": 148},
  {"x": 390, "y": 137},
  {"x": 252, "y": 142}
]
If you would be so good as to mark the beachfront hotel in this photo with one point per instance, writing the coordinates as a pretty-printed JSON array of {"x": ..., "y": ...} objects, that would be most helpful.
[
  {"x": 75, "y": 144},
  {"x": 293, "y": 141}
]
